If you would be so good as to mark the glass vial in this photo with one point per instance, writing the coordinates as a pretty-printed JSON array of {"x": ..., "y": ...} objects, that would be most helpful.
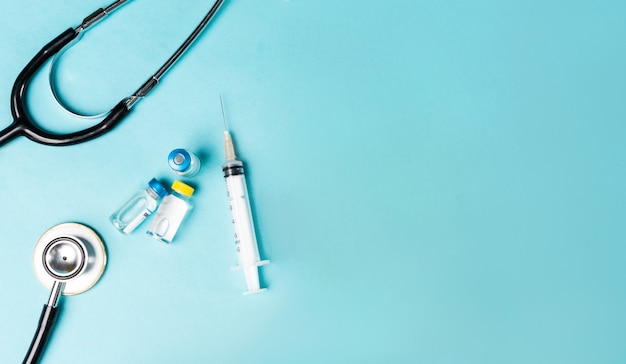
[
  {"x": 171, "y": 213},
  {"x": 183, "y": 162},
  {"x": 138, "y": 208}
]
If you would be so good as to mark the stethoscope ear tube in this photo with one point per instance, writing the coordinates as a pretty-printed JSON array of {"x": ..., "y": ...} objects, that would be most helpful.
[
  {"x": 23, "y": 124},
  {"x": 18, "y": 93},
  {"x": 21, "y": 120},
  {"x": 117, "y": 114}
]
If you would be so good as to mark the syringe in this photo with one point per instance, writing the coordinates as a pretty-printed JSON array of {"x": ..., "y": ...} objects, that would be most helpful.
[{"x": 245, "y": 236}]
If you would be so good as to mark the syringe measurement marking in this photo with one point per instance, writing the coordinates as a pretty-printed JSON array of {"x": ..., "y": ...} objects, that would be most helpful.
[{"x": 232, "y": 220}]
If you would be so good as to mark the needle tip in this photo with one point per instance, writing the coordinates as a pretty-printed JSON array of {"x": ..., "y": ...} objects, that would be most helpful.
[{"x": 223, "y": 114}]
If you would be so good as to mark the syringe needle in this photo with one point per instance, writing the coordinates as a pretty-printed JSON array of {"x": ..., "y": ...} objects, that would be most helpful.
[
  {"x": 229, "y": 148},
  {"x": 223, "y": 114}
]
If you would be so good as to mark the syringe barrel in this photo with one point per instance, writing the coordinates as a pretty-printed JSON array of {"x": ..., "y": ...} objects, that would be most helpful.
[{"x": 243, "y": 224}]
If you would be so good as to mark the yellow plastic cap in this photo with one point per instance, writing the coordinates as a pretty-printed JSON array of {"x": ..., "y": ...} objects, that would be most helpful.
[{"x": 182, "y": 188}]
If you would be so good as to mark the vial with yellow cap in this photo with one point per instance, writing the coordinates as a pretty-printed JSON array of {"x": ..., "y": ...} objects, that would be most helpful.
[{"x": 171, "y": 212}]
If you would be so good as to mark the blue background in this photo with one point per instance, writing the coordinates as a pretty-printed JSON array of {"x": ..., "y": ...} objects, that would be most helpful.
[{"x": 433, "y": 182}]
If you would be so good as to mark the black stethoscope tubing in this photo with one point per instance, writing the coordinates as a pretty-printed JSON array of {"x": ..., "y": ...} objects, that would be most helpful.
[{"x": 23, "y": 123}]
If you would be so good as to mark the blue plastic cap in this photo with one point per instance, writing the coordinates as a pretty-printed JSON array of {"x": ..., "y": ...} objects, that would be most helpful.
[
  {"x": 157, "y": 187},
  {"x": 179, "y": 160}
]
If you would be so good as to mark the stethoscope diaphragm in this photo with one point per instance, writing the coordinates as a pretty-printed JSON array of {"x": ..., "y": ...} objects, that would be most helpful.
[
  {"x": 64, "y": 258},
  {"x": 72, "y": 253}
]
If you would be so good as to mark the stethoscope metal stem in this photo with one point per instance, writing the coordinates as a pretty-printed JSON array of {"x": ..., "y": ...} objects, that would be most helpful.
[
  {"x": 55, "y": 293},
  {"x": 98, "y": 15}
]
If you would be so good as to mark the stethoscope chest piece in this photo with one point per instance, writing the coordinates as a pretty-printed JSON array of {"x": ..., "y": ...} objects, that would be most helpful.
[{"x": 71, "y": 253}]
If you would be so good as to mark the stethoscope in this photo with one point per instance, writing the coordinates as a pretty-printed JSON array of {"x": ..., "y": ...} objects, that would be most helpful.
[
  {"x": 24, "y": 125},
  {"x": 69, "y": 259}
]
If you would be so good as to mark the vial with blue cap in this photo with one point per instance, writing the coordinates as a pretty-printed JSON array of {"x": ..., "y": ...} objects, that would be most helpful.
[
  {"x": 183, "y": 162},
  {"x": 139, "y": 207}
]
